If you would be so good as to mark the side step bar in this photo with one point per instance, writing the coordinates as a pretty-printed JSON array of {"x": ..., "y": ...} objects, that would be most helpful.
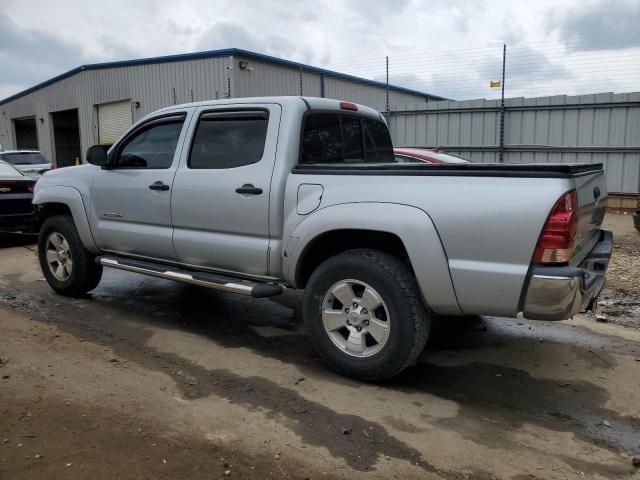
[{"x": 203, "y": 279}]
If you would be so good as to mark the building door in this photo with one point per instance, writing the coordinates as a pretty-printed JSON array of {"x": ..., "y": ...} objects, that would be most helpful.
[
  {"x": 113, "y": 120},
  {"x": 66, "y": 137},
  {"x": 26, "y": 135}
]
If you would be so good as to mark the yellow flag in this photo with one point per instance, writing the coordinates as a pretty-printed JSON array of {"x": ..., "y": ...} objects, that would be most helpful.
[{"x": 495, "y": 83}]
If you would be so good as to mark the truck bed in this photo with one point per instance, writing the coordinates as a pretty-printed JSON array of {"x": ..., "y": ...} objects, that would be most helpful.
[{"x": 488, "y": 217}]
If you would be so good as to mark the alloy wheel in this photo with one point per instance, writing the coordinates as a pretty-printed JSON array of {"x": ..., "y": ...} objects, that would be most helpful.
[{"x": 356, "y": 318}]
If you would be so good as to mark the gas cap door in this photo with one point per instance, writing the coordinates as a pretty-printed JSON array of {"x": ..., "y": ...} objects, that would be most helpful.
[{"x": 309, "y": 197}]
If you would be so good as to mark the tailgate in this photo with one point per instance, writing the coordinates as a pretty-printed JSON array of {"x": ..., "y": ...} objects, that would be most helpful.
[{"x": 591, "y": 189}]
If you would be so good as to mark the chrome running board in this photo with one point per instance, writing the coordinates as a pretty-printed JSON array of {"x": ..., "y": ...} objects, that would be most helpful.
[{"x": 203, "y": 279}]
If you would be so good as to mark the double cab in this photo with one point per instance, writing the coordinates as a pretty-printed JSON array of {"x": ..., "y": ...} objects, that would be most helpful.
[{"x": 257, "y": 195}]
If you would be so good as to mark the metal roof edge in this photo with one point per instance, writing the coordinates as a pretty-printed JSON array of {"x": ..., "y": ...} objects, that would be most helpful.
[{"x": 214, "y": 54}]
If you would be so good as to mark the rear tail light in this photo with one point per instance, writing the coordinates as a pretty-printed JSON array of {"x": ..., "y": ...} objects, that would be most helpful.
[
  {"x": 348, "y": 106},
  {"x": 555, "y": 244}
]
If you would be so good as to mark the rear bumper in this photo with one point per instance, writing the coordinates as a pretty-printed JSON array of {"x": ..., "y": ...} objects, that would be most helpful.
[{"x": 558, "y": 293}]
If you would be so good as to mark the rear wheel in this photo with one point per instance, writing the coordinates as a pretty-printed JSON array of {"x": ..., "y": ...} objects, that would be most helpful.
[
  {"x": 365, "y": 315},
  {"x": 68, "y": 267}
]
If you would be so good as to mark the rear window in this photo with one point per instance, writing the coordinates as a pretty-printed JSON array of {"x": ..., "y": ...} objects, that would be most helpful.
[
  {"x": 229, "y": 139},
  {"x": 18, "y": 158},
  {"x": 331, "y": 138}
]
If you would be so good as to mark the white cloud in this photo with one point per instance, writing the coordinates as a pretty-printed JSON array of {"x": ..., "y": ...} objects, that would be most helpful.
[{"x": 450, "y": 47}]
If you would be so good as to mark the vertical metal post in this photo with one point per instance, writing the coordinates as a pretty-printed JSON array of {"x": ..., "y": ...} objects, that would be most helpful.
[
  {"x": 504, "y": 61},
  {"x": 387, "y": 91},
  {"x": 229, "y": 73},
  {"x": 300, "y": 79},
  {"x": 638, "y": 200}
]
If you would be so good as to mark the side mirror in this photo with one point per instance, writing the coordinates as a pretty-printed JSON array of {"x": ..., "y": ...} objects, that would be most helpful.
[{"x": 97, "y": 155}]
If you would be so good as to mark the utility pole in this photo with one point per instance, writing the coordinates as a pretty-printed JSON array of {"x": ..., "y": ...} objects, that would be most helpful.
[{"x": 504, "y": 62}]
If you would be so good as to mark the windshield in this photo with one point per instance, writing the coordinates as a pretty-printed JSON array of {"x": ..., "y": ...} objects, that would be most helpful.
[{"x": 24, "y": 158}]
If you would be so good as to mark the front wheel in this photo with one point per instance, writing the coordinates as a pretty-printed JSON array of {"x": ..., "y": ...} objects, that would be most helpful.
[
  {"x": 68, "y": 267},
  {"x": 365, "y": 315}
]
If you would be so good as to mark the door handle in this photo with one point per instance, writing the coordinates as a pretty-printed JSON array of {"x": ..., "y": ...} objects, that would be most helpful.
[
  {"x": 159, "y": 186},
  {"x": 250, "y": 189}
]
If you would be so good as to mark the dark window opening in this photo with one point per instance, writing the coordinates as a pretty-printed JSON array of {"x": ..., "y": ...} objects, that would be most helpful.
[
  {"x": 66, "y": 137},
  {"x": 26, "y": 133}
]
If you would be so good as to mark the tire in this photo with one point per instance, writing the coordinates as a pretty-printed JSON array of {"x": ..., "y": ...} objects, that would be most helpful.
[
  {"x": 407, "y": 320},
  {"x": 79, "y": 276}
]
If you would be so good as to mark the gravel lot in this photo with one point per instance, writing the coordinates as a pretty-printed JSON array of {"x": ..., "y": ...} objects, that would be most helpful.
[
  {"x": 620, "y": 301},
  {"x": 150, "y": 379}
]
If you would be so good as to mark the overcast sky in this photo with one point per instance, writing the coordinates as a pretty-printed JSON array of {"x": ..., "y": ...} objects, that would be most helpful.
[{"x": 447, "y": 47}]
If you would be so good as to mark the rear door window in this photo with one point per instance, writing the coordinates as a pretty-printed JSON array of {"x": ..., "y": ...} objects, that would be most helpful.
[
  {"x": 332, "y": 138},
  {"x": 229, "y": 139}
]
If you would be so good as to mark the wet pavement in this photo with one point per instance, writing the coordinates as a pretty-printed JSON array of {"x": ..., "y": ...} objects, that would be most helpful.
[{"x": 489, "y": 398}]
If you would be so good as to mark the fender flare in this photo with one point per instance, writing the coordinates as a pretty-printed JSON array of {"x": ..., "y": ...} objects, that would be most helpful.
[
  {"x": 411, "y": 225},
  {"x": 72, "y": 198}
]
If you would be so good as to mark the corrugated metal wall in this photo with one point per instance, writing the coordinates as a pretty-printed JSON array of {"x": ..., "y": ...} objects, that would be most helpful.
[
  {"x": 153, "y": 85},
  {"x": 157, "y": 85},
  {"x": 568, "y": 129},
  {"x": 374, "y": 97},
  {"x": 263, "y": 79}
]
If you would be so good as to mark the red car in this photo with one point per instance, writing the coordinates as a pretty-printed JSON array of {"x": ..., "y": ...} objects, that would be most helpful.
[{"x": 426, "y": 155}]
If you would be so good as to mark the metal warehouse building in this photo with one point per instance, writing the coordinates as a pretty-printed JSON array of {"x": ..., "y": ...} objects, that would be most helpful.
[{"x": 96, "y": 103}]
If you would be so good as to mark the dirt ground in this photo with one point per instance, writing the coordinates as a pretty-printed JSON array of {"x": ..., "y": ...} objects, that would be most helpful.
[
  {"x": 620, "y": 301},
  {"x": 150, "y": 379}
]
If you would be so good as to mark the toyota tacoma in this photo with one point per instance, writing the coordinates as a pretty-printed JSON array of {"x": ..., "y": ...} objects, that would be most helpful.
[{"x": 257, "y": 195}]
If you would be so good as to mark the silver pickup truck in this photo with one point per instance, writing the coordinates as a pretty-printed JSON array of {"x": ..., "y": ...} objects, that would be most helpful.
[{"x": 256, "y": 195}]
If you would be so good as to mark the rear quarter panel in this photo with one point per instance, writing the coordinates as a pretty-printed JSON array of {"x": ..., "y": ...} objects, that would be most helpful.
[
  {"x": 410, "y": 224},
  {"x": 485, "y": 228}
]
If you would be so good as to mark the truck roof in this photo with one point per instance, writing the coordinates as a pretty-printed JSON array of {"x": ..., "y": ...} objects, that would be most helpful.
[{"x": 312, "y": 103}]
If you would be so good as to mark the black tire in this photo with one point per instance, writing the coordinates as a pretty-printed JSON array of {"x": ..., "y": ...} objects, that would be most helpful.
[
  {"x": 85, "y": 274},
  {"x": 397, "y": 286}
]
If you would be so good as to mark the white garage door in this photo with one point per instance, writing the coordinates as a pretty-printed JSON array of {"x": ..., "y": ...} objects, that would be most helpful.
[{"x": 113, "y": 120}]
